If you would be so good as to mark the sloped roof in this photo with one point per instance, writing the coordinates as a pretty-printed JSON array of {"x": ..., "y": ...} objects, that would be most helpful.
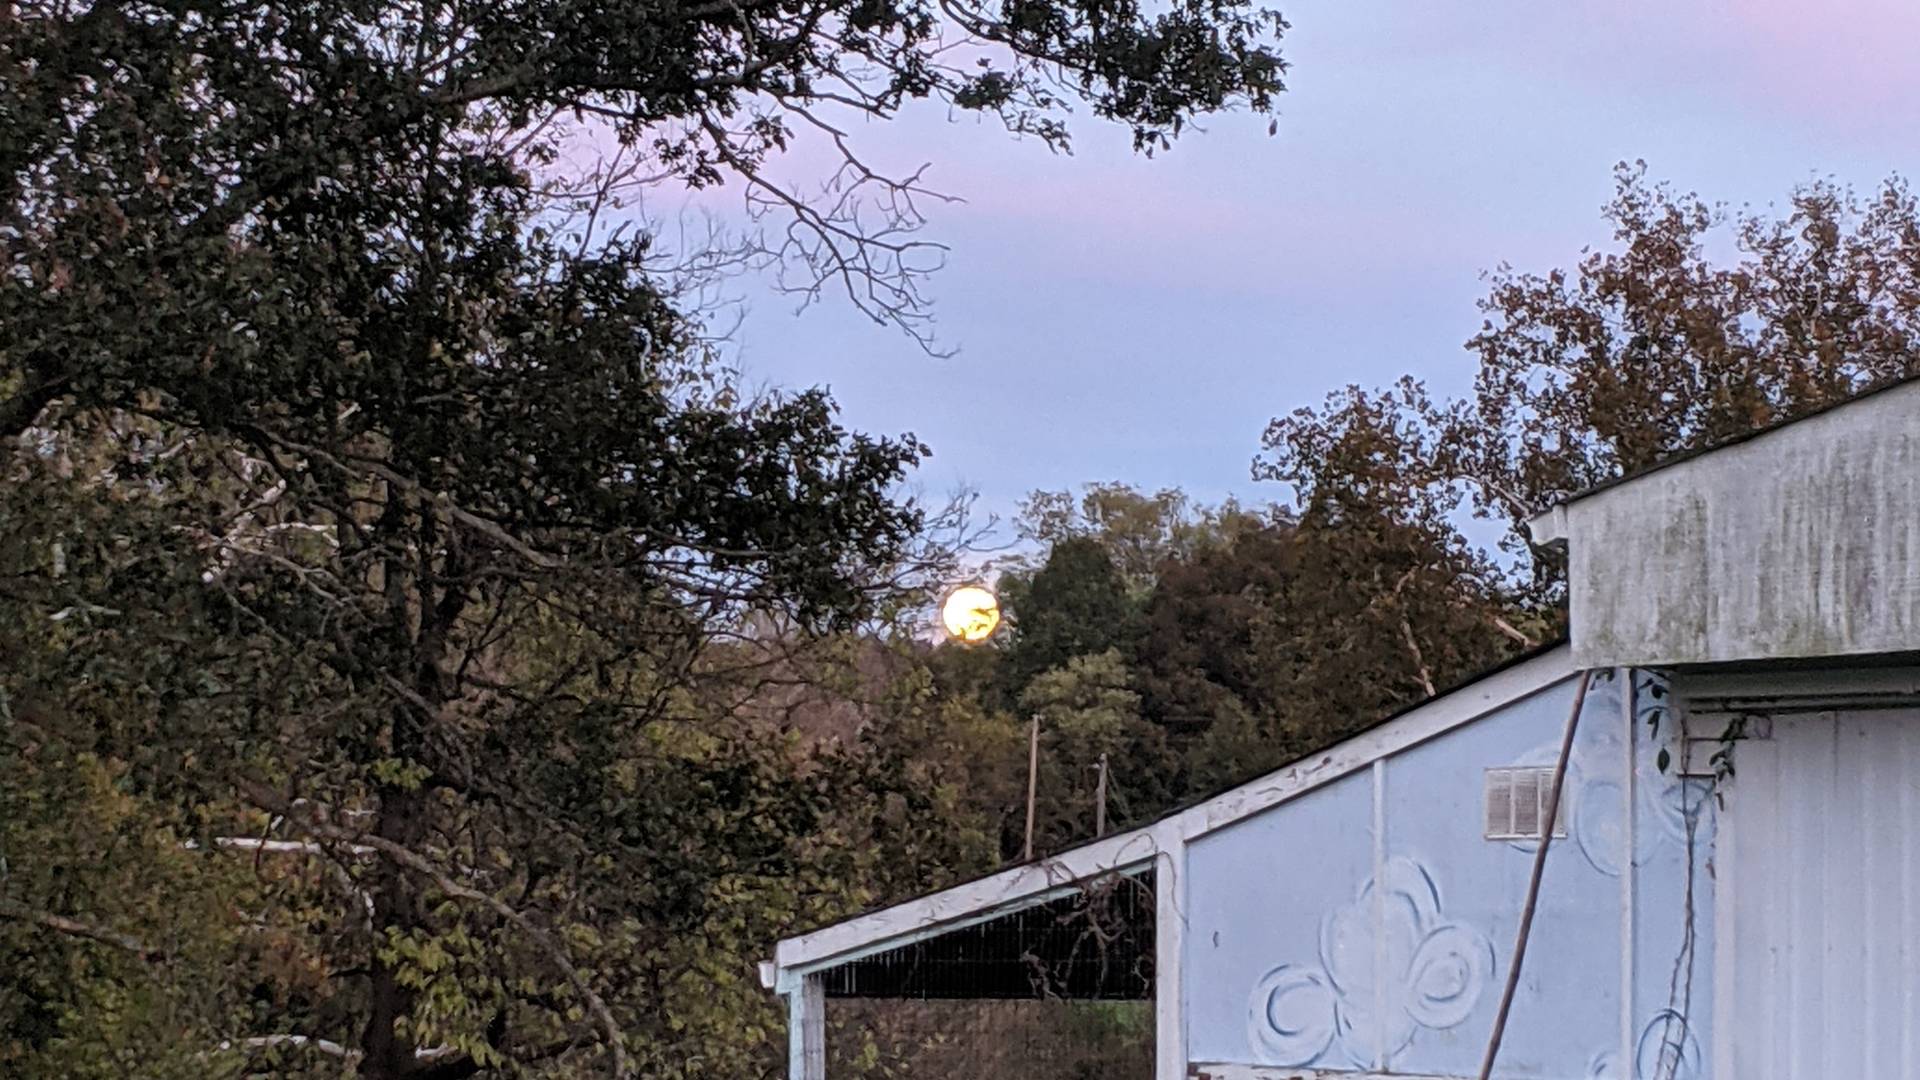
[{"x": 1058, "y": 875}]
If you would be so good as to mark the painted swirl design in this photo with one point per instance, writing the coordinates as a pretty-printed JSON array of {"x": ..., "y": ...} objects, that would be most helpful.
[
  {"x": 1435, "y": 973},
  {"x": 1292, "y": 1014}
]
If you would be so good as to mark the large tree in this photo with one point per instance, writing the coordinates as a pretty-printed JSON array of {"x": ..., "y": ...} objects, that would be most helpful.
[
  {"x": 1696, "y": 324},
  {"x": 377, "y": 498}
]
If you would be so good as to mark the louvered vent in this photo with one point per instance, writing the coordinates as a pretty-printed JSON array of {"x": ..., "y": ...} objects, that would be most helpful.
[{"x": 1516, "y": 803}]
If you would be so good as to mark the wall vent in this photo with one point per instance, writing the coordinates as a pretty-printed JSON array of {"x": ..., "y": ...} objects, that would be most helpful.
[{"x": 1516, "y": 803}]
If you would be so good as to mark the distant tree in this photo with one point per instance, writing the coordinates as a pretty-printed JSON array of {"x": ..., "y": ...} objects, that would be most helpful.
[
  {"x": 1087, "y": 707},
  {"x": 1075, "y": 604},
  {"x": 1659, "y": 346},
  {"x": 1301, "y": 633},
  {"x": 1253, "y": 636},
  {"x": 969, "y": 673},
  {"x": 1195, "y": 655},
  {"x": 1102, "y": 552},
  {"x": 1375, "y": 614},
  {"x": 1139, "y": 529}
]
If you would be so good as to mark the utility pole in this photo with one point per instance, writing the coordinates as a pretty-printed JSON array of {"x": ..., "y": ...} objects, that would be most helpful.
[
  {"x": 1033, "y": 780},
  {"x": 1100, "y": 800}
]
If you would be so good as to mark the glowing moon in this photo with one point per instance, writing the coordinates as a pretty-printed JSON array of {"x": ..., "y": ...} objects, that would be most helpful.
[{"x": 970, "y": 614}]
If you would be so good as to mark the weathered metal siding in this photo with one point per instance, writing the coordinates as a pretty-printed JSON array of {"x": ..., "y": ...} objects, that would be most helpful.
[
  {"x": 1819, "y": 852},
  {"x": 1367, "y": 926},
  {"x": 1801, "y": 542}
]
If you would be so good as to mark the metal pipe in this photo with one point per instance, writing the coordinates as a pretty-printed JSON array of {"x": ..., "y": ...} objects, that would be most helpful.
[{"x": 1533, "y": 883}]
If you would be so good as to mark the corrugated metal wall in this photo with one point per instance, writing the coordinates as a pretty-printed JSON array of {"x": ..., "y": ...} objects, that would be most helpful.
[{"x": 1819, "y": 912}]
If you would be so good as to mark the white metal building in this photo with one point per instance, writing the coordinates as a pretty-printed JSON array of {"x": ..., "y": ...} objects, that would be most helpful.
[{"x": 1731, "y": 890}]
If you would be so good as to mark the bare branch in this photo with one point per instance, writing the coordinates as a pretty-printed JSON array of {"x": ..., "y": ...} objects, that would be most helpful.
[
  {"x": 60, "y": 924},
  {"x": 329, "y": 1047},
  {"x": 1508, "y": 629}
]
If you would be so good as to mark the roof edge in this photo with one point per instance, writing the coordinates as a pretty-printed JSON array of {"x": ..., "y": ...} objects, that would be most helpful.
[
  {"x": 1681, "y": 457},
  {"x": 1550, "y": 526},
  {"x": 1036, "y": 882}
]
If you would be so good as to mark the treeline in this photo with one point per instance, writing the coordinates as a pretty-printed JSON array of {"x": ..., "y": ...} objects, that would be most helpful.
[{"x": 1195, "y": 646}]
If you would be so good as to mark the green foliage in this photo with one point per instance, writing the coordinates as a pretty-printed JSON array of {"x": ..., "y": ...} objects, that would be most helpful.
[
  {"x": 1088, "y": 709},
  {"x": 1076, "y": 604},
  {"x": 1139, "y": 530},
  {"x": 389, "y": 554},
  {"x": 74, "y": 846},
  {"x": 1196, "y": 652}
]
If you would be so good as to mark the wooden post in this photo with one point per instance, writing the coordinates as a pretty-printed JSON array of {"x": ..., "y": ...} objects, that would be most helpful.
[
  {"x": 1169, "y": 937},
  {"x": 1100, "y": 800},
  {"x": 1033, "y": 780},
  {"x": 807, "y": 1030}
]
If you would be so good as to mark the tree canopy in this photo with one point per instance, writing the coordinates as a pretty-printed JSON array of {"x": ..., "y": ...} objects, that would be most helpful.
[
  {"x": 1650, "y": 346},
  {"x": 390, "y": 547}
]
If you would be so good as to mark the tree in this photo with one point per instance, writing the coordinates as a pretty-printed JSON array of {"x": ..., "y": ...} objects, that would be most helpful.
[
  {"x": 1245, "y": 638},
  {"x": 1195, "y": 657},
  {"x": 1087, "y": 709},
  {"x": 1374, "y": 614},
  {"x": 1658, "y": 348},
  {"x": 1298, "y": 634},
  {"x": 244, "y": 114},
  {"x": 1140, "y": 530},
  {"x": 1076, "y": 604},
  {"x": 1639, "y": 352},
  {"x": 377, "y": 497},
  {"x": 585, "y": 831}
]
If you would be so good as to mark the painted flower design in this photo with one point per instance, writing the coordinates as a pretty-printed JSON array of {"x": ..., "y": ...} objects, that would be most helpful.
[{"x": 1368, "y": 993}]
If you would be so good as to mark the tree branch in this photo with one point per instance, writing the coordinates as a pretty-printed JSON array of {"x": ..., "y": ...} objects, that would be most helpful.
[
  {"x": 60, "y": 924},
  {"x": 348, "y": 1054},
  {"x": 408, "y": 859},
  {"x": 1509, "y": 630}
]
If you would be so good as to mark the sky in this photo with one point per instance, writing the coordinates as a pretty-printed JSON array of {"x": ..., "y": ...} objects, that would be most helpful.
[{"x": 1134, "y": 319}]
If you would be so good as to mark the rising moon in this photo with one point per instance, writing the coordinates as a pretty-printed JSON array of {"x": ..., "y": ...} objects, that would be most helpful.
[{"x": 970, "y": 613}]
